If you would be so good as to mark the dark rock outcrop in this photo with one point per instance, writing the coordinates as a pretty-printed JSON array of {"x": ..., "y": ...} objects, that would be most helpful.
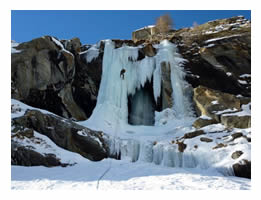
[
  {"x": 205, "y": 139},
  {"x": 41, "y": 72},
  {"x": 66, "y": 134},
  {"x": 237, "y": 135},
  {"x": 242, "y": 169},
  {"x": 56, "y": 75},
  {"x": 218, "y": 54},
  {"x": 20, "y": 155},
  {"x": 86, "y": 81},
  {"x": 181, "y": 146},
  {"x": 217, "y": 50}
]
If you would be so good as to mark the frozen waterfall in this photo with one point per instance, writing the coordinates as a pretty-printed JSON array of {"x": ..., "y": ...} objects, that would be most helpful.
[{"x": 112, "y": 103}]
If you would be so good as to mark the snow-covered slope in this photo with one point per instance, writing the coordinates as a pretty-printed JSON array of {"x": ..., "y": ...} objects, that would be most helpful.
[
  {"x": 110, "y": 174},
  {"x": 122, "y": 175}
]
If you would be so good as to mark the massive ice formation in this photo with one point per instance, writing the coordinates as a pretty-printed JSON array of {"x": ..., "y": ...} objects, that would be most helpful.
[{"x": 112, "y": 103}]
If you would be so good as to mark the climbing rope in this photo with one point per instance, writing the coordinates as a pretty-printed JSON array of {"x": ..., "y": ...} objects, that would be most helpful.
[
  {"x": 105, "y": 172},
  {"x": 114, "y": 148}
]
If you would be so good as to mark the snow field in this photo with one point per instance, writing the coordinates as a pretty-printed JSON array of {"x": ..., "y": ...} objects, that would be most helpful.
[{"x": 123, "y": 175}]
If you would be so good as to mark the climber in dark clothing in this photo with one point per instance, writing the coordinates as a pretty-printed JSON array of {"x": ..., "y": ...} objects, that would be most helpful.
[{"x": 122, "y": 73}]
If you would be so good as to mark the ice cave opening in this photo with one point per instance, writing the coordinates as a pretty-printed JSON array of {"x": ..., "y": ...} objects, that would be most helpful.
[{"x": 142, "y": 106}]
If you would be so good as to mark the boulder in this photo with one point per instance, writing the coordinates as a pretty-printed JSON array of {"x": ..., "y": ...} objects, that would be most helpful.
[
  {"x": 220, "y": 145},
  {"x": 242, "y": 169},
  {"x": 193, "y": 134},
  {"x": 205, "y": 139},
  {"x": 181, "y": 146},
  {"x": 236, "y": 154},
  {"x": 235, "y": 121},
  {"x": 23, "y": 156},
  {"x": 213, "y": 103},
  {"x": 201, "y": 122},
  {"x": 66, "y": 134},
  {"x": 236, "y": 135}
]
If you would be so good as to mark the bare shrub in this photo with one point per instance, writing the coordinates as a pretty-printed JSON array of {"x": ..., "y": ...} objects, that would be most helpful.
[{"x": 164, "y": 23}]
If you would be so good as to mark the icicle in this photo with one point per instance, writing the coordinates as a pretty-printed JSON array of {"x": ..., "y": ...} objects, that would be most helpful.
[
  {"x": 168, "y": 53},
  {"x": 157, "y": 81},
  {"x": 157, "y": 154},
  {"x": 146, "y": 153}
]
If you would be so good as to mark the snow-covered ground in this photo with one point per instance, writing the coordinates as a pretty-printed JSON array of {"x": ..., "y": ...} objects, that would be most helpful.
[
  {"x": 110, "y": 174},
  {"x": 114, "y": 174},
  {"x": 122, "y": 175}
]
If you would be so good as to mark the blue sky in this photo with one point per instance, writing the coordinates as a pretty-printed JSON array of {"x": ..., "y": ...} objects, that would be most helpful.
[{"x": 92, "y": 26}]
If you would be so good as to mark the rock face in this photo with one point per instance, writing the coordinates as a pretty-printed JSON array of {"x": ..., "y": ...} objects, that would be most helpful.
[
  {"x": 49, "y": 67},
  {"x": 235, "y": 121},
  {"x": 86, "y": 83},
  {"x": 167, "y": 100},
  {"x": 218, "y": 54},
  {"x": 149, "y": 50},
  {"x": 217, "y": 50},
  {"x": 221, "y": 108},
  {"x": 209, "y": 102},
  {"x": 66, "y": 134},
  {"x": 73, "y": 45}
]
